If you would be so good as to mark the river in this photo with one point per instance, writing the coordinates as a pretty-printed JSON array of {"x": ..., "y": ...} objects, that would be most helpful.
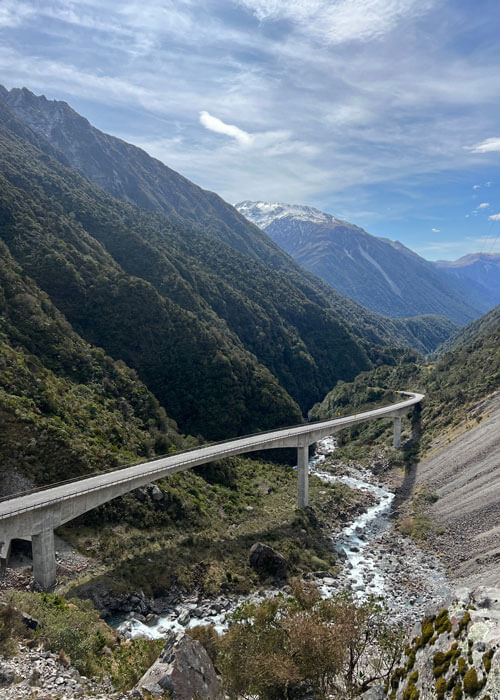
[{"x": 376, "y": 561}]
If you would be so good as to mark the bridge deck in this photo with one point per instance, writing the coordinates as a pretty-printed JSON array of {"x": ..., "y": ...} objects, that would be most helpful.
[{"x": 189, "y": 458}]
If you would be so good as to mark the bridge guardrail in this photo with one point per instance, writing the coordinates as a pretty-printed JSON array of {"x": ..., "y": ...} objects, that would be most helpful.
[{"x": 295, "y": 429}]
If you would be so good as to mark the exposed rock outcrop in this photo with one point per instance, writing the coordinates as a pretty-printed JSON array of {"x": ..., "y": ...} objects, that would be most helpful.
[
  {"x": 184, "y": 669},
  {"x": 454, "y": 654},
  {"x": 267, "y": 561}
]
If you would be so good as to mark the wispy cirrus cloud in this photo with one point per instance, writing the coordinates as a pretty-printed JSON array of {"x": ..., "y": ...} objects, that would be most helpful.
[
  {"x": 360, "y": 107},
  {"x": 340, "y": 21}
]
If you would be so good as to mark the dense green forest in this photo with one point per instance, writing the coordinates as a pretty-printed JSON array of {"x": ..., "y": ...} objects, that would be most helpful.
[{"x": 66, "y": 408}]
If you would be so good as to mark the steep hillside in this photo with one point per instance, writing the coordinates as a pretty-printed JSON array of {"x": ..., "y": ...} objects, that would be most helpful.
[
  {"x": 380, "y": 274},
  {"x": 463, "y": 474},
  {"x": 471, "y": 332},
  {"x": 453, "y": 384},
  {"x": 127, "y": 172},
  {"x": 480, "y": 269},
  {"x": 66, "y": 409},
  {"x": 71, "y": 238}
]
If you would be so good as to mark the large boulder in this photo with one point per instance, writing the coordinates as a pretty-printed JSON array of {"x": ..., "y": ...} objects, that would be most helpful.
[
  {"x": 267, "y": 561},
  {"x": 184, "y": 669}
]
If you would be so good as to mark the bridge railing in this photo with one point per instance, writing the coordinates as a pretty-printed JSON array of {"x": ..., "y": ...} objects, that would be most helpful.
[{"x": 65, "y": 482}]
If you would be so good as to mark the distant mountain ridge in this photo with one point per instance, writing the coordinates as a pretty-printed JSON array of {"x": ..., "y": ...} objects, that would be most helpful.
[
  {"x": 382, "y": 275},
  {"x": 130, "y": 174},
  {"x": 481, "y": 269}
]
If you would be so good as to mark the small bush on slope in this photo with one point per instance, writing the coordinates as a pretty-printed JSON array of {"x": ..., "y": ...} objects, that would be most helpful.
[{"x": 283, "y": 647}]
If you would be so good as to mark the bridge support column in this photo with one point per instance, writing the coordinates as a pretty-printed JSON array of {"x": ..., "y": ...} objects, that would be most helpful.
[
  {"x": 44, "y": 559},
  {"x": 4, "y": 558},
  {"x": 303, "y": 475},
  {"x": 397, "y": 432}
]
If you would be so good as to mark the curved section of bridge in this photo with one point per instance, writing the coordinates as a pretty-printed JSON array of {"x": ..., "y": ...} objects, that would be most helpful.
[{"x": 35, "y": 515}]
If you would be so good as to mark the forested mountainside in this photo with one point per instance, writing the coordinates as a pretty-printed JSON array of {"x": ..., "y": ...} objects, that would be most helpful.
[
  {"x": 472, "y": 332},
  {"x": 86, "y": 251},
  {"x": 380, "y": 274},
  {"x": 66, "y": 408},
  {"x": 454, "y": 383},
  {"x": 129, "y": 173}
]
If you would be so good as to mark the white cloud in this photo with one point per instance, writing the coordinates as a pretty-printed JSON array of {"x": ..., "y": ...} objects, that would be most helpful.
[
  {"x": 484, "y": 205},
  {"x": 340, "y": 21},
  {"x": 494, "y": 217},
  {"x": 435, "y": 230},
  {"x": 487, "y": 146},
  {"x": 215, "y": 124},
  {"x": 476, "y": 187},
  {"x": 14, "y": 14}
]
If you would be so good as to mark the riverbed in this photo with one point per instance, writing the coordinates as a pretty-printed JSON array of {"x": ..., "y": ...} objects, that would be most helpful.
[{"x": 376, "y": 561}]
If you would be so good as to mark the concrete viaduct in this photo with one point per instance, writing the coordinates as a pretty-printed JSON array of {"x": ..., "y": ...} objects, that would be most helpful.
[{"x": 35, "y": 515}]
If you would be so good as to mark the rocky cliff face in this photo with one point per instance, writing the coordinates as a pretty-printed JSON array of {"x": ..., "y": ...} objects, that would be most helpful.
[{"x": 454, "y": 654}]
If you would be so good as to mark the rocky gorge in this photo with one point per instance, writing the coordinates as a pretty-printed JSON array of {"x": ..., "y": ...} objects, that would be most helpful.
[{"x": 375, "y": 560}]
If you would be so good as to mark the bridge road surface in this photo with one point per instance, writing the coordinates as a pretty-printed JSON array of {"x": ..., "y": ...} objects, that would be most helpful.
[{"x": 35, "y": 515}]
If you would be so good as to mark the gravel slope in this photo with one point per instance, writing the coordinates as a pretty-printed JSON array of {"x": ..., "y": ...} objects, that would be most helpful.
[{"x": 465, "y": 475}]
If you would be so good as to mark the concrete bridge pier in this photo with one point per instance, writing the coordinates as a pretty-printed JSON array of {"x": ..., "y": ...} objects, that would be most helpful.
[
  {"x": 303, "y": 475},
  {"x": 44, "y": 559},
  {"x": 4, "y": 558},
  {"x": 397, "y": 432}
]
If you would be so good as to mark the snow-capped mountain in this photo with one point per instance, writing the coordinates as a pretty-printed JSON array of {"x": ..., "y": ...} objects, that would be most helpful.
[
  {"x": 264, "y": 213},
  {"x": 380, "y": 274}
]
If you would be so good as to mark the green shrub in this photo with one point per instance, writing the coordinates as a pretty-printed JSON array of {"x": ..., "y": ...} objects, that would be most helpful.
[
  {"x": 74, "y": 628},
  {"x": 440, "y": 688},
  {"x": 487, "y": 660},
  {"x": 12, "y": 629},
  {"x": 471, "y": 683},
  {"x": 462, "y": 625}
]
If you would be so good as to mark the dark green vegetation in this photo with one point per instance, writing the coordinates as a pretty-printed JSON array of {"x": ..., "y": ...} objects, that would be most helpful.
[
  {"x": 58, "y": 228},
  {"x": 471, "y": 333},
  {"x": 66, "y": 408},
  {"x": 128, "y": 173},
  {"x": 74, "y": 629},
  {"x": 292, "y": 647}
]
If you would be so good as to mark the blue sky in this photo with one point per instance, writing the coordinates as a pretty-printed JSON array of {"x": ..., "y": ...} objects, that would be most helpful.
[{"x": 383, "y": 112}]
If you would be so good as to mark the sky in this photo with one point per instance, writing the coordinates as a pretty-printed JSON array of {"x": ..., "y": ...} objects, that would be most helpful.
[{"x": 382, "y": 112}]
